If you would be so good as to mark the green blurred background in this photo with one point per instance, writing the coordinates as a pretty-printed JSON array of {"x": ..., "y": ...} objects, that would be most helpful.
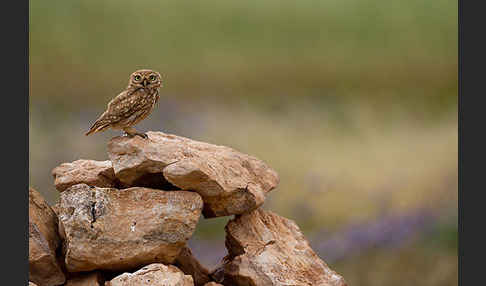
[{"x": 353, "y": 102}]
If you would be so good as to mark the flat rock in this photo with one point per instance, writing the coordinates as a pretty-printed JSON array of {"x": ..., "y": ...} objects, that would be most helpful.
[
  {"x": 90, "y": 172},
  {"x": 86, "y": 279},
  {"x": 190, "y": 266},
  {"x": 106, "y": 228},
  {"x": 229, "y": 182},
  {"x": 155, "y": 274},
  {"x": 267, "y": 249},
  {"x": 44, "y": 267}
]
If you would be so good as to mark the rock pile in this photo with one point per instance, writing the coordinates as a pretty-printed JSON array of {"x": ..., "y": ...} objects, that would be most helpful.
[{"x": 126, "y": 221}]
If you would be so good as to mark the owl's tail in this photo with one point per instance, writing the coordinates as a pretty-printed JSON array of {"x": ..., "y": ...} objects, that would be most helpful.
[{"x": 98, "y": 126}]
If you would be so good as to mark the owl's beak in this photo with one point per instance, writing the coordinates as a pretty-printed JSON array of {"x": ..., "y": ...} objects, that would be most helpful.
[{"x": 145, "y": 82}]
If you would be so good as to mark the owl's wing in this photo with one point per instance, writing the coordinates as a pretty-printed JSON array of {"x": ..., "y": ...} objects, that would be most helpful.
[
  {"x": 125, "y": 104},
  {"x": 121, "y": 107}
]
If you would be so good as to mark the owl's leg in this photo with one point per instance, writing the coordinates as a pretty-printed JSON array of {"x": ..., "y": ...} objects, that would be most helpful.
[{"x": 130, "y": 131}]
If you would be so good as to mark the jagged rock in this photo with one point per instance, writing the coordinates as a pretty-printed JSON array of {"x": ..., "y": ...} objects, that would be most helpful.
[
  {"x": 90, "y": 172},
  {"x": 229, "y": 182},
  {"x": 106, "y": 228},
  {"x": 44, "y": 268},
  {"x": 153, "y": 275},
  {"x": 86, "y": 279},
  {"x": 267, "y": 249},
  {"x": 212, "y": 284},
  {"x": 190, "y": 266}
]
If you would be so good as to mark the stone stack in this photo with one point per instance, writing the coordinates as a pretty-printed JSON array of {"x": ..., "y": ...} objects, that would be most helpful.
[{"x": 126, "y": 221}]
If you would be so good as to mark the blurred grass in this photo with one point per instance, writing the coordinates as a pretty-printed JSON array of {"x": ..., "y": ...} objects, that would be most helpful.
[
  {"x": 87, "y": 49},
  {"x": 429, "y": 259},
  {"x": 353, "y": 102},
  {"x": 413, "y": 264}
]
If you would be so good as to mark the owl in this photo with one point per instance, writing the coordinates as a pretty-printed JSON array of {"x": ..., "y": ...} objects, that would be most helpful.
[{"x": 132, "y": 105}]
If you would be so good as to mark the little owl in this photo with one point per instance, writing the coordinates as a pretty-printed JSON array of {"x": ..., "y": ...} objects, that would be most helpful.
[{"x": 132, "y": 105}]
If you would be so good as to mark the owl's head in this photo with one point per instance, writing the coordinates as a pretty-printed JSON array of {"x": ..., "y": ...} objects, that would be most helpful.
[{"x": 145, "y": 79}]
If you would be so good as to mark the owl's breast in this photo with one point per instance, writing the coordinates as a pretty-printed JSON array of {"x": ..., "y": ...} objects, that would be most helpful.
[{"x": 155, "y": 98}]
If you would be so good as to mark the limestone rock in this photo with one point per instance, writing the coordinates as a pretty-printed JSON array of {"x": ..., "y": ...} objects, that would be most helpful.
[
  {"x": 106, "y": 228},
  {"x": 190, "y": 266},
  {"x": 90, "y": 172},
  {"x": 229, "y": 182},
  {"x": 155, "y": 274},
  {"x": 86, "y": 279},
  {"x": 267, "y": 249},
  {"x": 44, "y": 268}
]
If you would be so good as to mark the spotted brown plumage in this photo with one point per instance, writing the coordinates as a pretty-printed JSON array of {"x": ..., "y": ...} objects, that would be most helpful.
[{"x": 132, "y": 105}]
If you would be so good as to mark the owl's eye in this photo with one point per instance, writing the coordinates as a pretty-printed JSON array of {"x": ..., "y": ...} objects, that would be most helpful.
[
  {"x": 137, "y": 77},
  {"x": 152, "y": 77}
]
